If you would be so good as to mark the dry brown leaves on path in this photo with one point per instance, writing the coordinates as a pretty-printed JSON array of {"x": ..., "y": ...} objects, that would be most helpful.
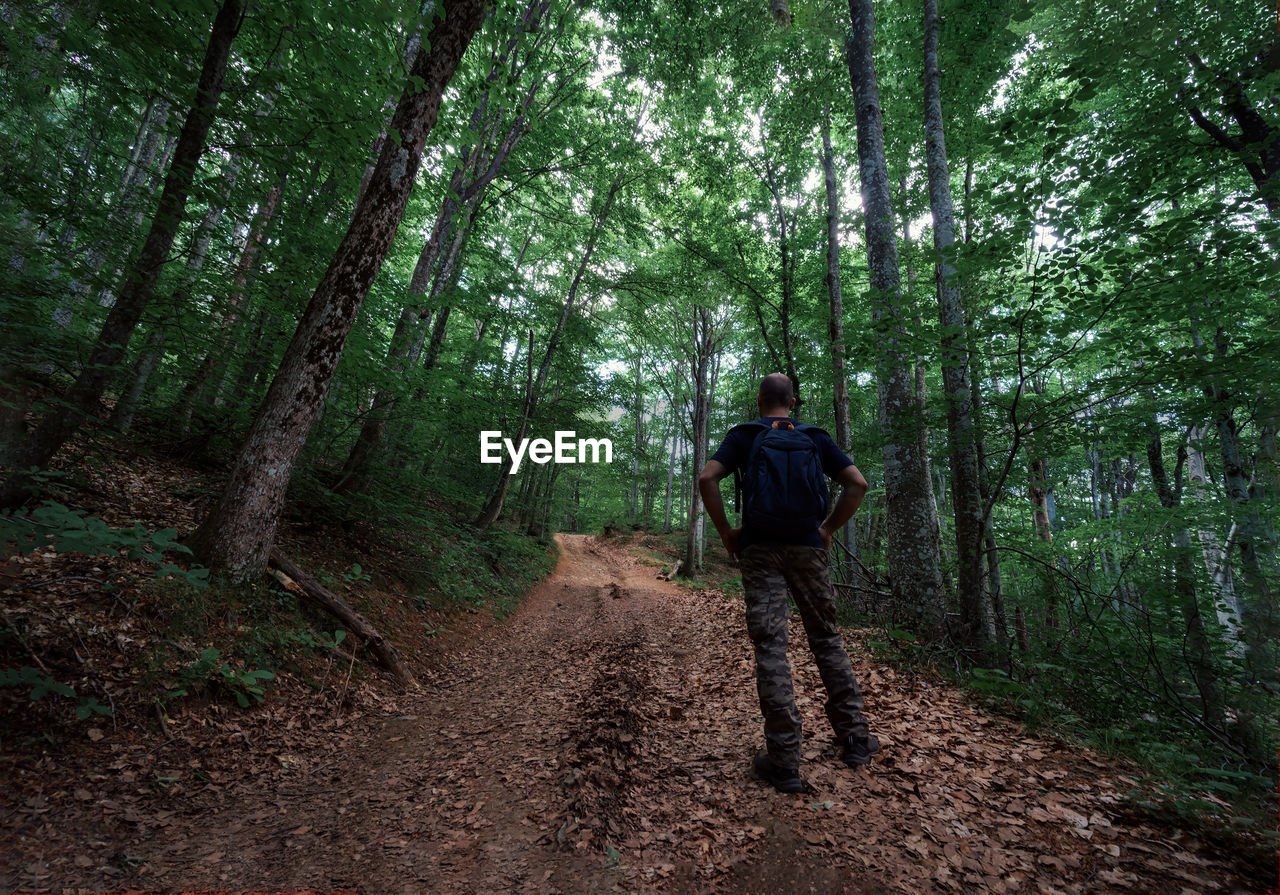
[{"x": 599, "y": 741}]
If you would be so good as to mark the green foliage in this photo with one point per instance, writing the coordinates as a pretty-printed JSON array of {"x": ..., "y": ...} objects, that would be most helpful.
[
  {"x": 38, "y": 682},
  {"x": 210, "y": 670},
  {"x": 69, "y": 530},
  {"x": 41, "y": 685},
  {"x": 455, "y": 566},
  {"x": 1117, "y": 264}
]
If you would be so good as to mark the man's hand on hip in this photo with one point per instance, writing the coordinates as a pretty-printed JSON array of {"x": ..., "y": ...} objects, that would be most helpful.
[{"x": 730, "y": 540}]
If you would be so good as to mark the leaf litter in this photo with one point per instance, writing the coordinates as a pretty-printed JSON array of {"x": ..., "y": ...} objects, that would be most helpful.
[{"x": 598, "y": 740}]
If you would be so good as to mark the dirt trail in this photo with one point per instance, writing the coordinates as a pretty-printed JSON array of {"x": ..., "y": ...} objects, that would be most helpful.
[{"x": 599, "y": 740}]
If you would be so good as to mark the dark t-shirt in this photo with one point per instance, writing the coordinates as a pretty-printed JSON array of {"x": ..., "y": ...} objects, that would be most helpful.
[{"x": 732, "y": 454}]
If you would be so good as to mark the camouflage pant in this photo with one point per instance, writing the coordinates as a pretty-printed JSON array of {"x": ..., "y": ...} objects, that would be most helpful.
[{"x": 768, "y": 570}]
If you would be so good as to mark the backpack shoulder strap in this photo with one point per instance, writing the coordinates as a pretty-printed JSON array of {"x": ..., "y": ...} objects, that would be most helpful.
[
  {"x": 812, "y": 430},
  {"x": 763, "y": 427}
]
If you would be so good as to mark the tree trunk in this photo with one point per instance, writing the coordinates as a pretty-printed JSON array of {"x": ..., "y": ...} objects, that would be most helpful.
[
  {"x": 914, "y": 564},
  {"x": 235, "y": 539},
  {"x": 704, "y": 345},
  {"x": 1257, "y": 147},
  {"x": 208, "y": 380},
  {"x": 147, "y": 140},
  {"x": 129, "y": 204},
  {"x": 82, "y": 399},
  {"x": 437, "y": 268},
  {"x": 1198, "y": 660},
  {"x": 835, "y": 328},
  {"x": 1038, "y": 489},
  {"x": 786, "y": 278},
  {"x": 671, "y": 472},
  {"x": 1260, "y": 613},
  {"x": 976, "y": 625},
  {"x": 126, "y": 407},
  {"x": 991, "y": 570},
  {"x": 1216, "y": 561}
]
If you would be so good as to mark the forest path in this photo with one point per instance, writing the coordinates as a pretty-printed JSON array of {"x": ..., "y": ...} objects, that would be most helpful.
[{"x": 599, "y": 741}]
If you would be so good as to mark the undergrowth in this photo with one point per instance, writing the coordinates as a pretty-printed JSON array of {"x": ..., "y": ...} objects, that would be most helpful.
[{"x": 181, "y": 641}]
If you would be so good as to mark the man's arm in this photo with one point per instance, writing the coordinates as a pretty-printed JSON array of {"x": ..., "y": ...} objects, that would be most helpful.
[
  {"x": 853, "y": 488},
  {"x": 709, "y": 488}
]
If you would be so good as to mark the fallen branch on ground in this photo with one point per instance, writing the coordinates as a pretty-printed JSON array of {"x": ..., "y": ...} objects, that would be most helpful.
[{"x": 296, "y": 580}]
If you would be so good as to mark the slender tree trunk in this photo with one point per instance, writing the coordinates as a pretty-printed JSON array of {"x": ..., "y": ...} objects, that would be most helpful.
[
  {"x": 1038, "y": 488},
  {"x": 148, "y": 137},
  {"x": 251, "y": 380},
  {"x": 992, "y": 559},
  {"x": 126, "y": 407},
  {"x": 1216, "y": 562},
  {"x": 1260, "y": 613},
  {"x": 976, "y": 624},
  {"x": 704, "y": 346},
  {"x": 235, "y": 539},
  {"x": 914, "y": 564},
  {"x": 130, "y": 206},
  {"x": 15, "y": 398},
  {"x": 82, "y": 399},
  {"x": 671, "y": 472},
  {"x": 206, "y": 381},
  {"x": 786, "y": 279},
  {"x": 437, "y": 268},
  {"x": 638, "y": 427},
  {"x": 493, "y": 507},
  {"x": 835, "y": 328},
  {"x": 1198, "y": 659}
]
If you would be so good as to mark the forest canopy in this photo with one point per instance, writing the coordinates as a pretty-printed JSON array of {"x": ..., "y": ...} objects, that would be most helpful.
[{"x": 1018, "y": 258}]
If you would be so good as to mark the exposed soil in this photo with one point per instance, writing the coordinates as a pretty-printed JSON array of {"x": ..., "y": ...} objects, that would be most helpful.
[{"x": 599, "y": 740}]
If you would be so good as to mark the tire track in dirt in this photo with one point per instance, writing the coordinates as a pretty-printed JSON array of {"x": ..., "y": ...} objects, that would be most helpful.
[{"x": 598, "y": 741}]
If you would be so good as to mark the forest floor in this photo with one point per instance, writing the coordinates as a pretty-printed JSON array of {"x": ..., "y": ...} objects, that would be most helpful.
[{"x": 596, "y": 740}]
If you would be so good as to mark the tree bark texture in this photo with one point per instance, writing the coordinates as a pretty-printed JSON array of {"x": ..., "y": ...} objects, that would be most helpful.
[
  {"x": 1217, "y": 564},
  {"x": 235, "y": 539},
  {"x": 1257, "y": 145},
  {"x": 914, "y": 564},
  {"x": 436, "y": 268},
  {"x": 705, "y": 344},
  {"x": 1183, "y": 583},
  {"x": 835, "y": 326},
  {"x": 1260, "y": 612},
  {"x": 976, "y": 625}
]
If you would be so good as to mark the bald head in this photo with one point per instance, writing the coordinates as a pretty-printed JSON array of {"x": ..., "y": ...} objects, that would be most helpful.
[{"x": 776, "y": 396}]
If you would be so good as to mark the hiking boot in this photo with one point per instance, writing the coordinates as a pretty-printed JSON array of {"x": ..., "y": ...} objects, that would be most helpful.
[
  {"x": 781, "y": 779},
  {"x": 857, "y": 751}
]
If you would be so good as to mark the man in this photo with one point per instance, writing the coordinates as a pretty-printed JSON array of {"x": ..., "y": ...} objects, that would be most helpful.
[{"x": 790, "y": 553}]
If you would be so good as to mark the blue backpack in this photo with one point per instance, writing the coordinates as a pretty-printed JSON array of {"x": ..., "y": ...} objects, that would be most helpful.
[{"x": 782, "y": 480}]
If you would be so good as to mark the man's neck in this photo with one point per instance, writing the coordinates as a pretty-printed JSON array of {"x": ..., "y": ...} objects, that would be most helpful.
[{"x": 776, "y": 411}]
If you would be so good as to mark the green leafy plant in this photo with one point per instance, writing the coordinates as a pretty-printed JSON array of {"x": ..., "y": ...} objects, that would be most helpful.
[
  {"x": 73, "y": 531},
  {"x": 89, "y": 706},
  {"x": 210, "y": 669},
  {"x": 356, "y": 575},
  {"x": 41, "y": 685}
]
